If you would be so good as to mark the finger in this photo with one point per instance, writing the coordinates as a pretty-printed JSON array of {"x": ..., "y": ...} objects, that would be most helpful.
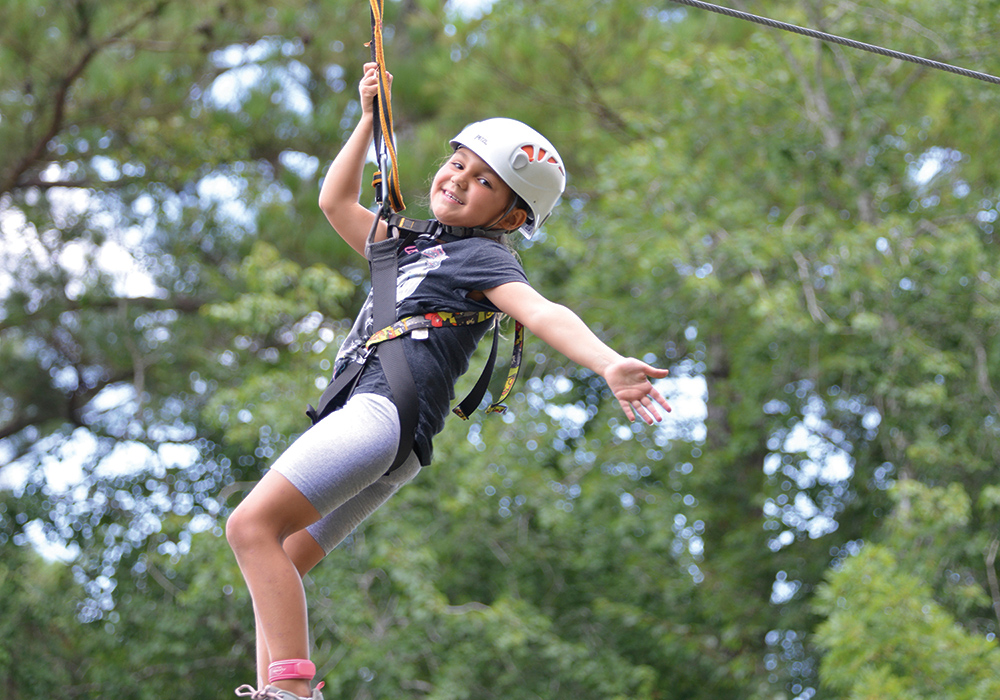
[
  {"x": 627, "y": 408},
  {"x": 658, "y": 398},
  {"x": 649, "y": 412},
  {"x": 644, "y": 416}
]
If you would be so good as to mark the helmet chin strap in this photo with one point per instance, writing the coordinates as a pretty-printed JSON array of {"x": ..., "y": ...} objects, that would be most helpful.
[{"x": 510, "y": 208}]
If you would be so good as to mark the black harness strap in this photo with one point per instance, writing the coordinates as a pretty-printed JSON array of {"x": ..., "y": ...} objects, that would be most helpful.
[
  {"x": 471, "y": 402},
  {"x": 382, "y": 256},
  {"x": 348, "y": 377},
  {"x": 345, "y": 381}
]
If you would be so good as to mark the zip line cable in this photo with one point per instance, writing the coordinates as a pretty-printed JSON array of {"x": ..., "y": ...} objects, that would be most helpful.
[
  {"x": 834, "y": 39},
  {"x": 388, "y": 182}
]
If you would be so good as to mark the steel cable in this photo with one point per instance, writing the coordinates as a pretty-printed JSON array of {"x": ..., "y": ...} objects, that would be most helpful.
[{"x": 834, "y": 39}]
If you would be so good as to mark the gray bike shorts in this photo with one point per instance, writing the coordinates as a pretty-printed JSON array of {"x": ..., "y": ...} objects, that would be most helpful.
[{"x": 340, "y": 466}]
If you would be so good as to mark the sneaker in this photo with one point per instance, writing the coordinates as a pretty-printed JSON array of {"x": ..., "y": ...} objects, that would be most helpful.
[{"x": 272, "y": 693}]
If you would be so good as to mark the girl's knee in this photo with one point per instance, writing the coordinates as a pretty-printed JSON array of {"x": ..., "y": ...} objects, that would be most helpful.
[
  {"x": 242, "y": 529},
  {"x": 272, "y": 512},
  {"x": 232, "y": 530}
]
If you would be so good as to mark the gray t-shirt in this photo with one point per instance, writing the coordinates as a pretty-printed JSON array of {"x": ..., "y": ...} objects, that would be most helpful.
[{"x": 435, "y": 274}]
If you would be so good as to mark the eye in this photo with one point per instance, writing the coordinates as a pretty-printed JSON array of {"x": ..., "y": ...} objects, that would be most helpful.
[{"x": 485, "y": 183}]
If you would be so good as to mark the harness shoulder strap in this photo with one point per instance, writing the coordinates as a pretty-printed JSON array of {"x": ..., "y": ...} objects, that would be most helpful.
[
  {"x": 382, "y": 256},
  {"x": 382, "y": 260}
]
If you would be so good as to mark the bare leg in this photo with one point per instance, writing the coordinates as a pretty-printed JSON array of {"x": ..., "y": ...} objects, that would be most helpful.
[
  {"x": 257, "y": 531},
  {"x": 305, "y": 553},
  {"x": 263, "y": 657}
]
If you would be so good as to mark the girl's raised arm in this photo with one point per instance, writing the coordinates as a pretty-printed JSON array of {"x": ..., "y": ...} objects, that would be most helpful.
[{"x": 339, "y": 197}]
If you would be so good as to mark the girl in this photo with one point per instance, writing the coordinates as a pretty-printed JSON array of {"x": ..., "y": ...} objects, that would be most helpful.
[{"x": 502, "y": 176}]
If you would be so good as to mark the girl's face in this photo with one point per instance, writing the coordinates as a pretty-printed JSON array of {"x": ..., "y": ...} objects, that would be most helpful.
[{"x": 466, "y": 192}]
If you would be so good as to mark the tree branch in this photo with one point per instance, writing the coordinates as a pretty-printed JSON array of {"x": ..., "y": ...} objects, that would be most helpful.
[
  {"x": 609, "y": 116},
  {"x": 83, "y": 183},
  {"x": 991, "y": 575},
  {"x": 75, "y": 400},
  {"x": 818, "y": 315},
  {"x": 14, "y": 427},
  {"x": 57, "y": 122},
  {"x": 187, "y": 305}
]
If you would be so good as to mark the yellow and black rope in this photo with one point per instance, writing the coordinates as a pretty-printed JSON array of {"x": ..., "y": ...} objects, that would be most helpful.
[{"x": 385, "y": 146}]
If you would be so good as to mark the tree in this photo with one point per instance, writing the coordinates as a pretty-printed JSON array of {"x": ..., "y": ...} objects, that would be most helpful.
[
  {"x": 180, "y": 624},
  {"x": 767, "y": 191},
  {"x": 804, "y": 234},
  {"x": 886, "y": 634},
  {"x": 143, "y": 156}
]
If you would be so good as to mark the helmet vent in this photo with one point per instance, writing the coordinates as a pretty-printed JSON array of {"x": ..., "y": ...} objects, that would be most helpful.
[{"x": 530, "y": 151}]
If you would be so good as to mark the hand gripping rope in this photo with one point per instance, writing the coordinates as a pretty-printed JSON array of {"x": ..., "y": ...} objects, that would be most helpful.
[{"x": 834, "y": 39}]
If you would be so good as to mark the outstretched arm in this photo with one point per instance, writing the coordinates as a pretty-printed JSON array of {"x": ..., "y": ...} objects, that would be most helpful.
[
  {"x": 627, "y": 377},
  {"x": 339, "y": 197}
]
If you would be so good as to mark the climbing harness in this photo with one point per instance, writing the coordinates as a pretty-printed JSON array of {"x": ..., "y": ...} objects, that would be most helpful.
[
  {"x": 834, "y": 39},
  {"x": 386, "y": 342}
]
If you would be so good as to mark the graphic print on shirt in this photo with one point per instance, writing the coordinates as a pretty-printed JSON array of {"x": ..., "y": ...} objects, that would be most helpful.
[{"x": 407, "y": 281}]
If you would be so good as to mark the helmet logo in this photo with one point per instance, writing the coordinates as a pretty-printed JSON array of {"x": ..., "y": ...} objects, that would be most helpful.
[{"x": 537, "y": 154}]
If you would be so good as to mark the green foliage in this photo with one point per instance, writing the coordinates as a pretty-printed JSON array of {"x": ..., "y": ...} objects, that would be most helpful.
[
  {"x": 887, "y": 637},
  {"x": 178, "y": 623},
  {"x": 803, "y": 233}
]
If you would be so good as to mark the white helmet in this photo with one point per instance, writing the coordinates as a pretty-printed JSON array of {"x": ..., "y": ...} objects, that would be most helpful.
[{"x": 524, "y": 159}]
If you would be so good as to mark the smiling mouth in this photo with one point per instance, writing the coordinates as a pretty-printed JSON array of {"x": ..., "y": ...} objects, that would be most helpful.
[{"x": 452, "y": 197}]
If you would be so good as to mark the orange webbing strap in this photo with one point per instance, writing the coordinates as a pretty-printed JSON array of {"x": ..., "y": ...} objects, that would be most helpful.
[{"x": 384, "y": 137}]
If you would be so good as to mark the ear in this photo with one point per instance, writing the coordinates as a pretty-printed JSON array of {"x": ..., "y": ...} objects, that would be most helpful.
[{"x": 514, "y": 220}]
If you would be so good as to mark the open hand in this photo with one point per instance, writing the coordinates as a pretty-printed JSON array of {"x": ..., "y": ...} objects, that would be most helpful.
[{"x": 628, "y": 379}]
